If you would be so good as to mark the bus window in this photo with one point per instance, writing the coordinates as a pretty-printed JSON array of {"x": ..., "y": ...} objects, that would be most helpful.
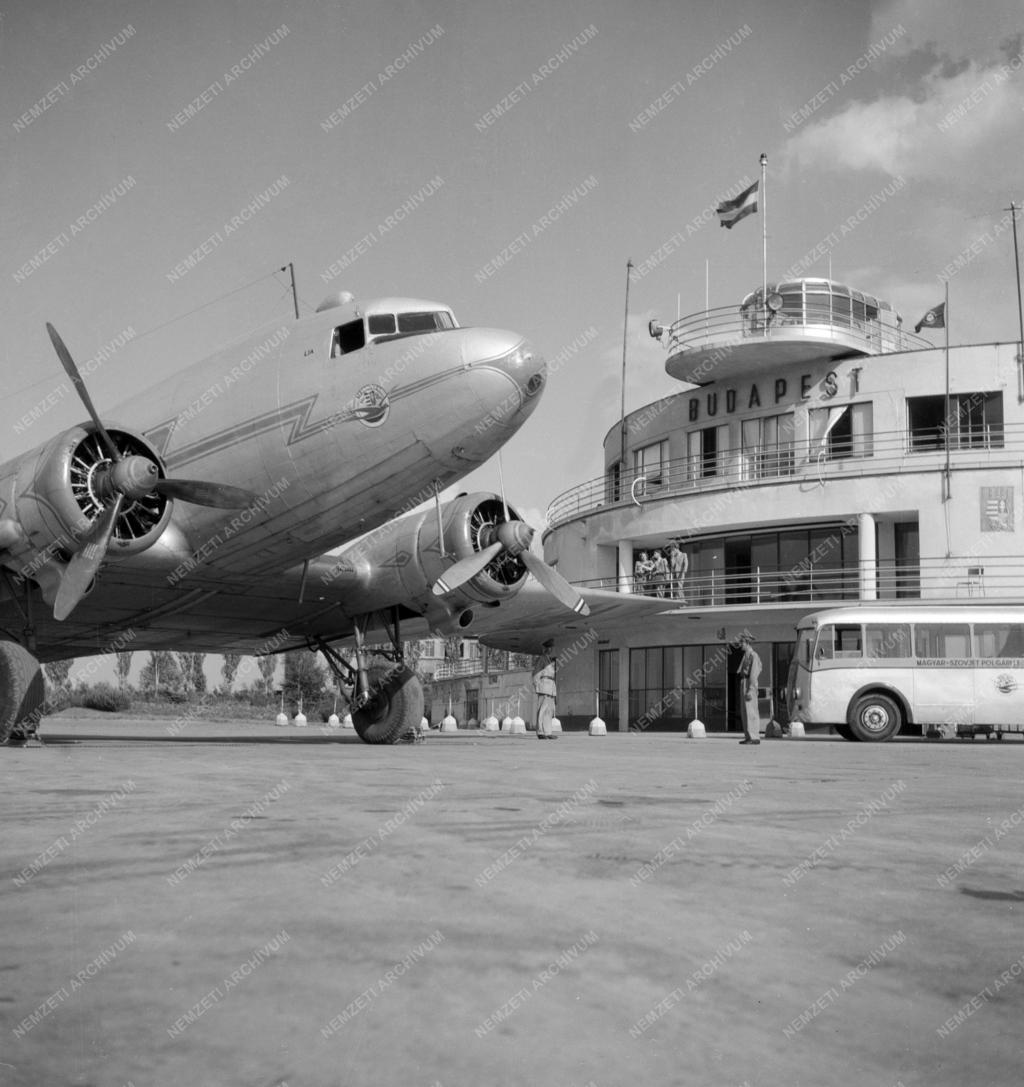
[
  {"x": 347, "y": 338},
  {"x": 884, "y": 641},
  {"x": 381, "y": 324},
  {"x": 993, "y": 640},
  {"x": 838, "y": 640},
  {"x": 942, "y": 640}
]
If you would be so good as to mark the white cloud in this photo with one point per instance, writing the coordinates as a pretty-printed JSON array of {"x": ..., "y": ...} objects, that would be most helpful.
[{"x": 947, "y": 122}]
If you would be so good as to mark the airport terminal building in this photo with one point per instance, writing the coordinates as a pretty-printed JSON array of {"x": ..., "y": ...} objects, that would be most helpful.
[{"x": 819, "y": 454}]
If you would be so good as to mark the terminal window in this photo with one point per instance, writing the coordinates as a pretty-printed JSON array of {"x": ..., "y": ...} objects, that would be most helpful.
[
  {"x": 975, "y": 421},
  {"x": 841, "y": 432},
  {"x": 650, "y": 463}
]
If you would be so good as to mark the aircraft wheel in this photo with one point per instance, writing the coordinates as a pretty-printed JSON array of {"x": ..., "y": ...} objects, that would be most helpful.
[
  {"x": 874, "y": 718},
  {"x": 395, "y": 706},
  {"x": 22, "y": 693}
]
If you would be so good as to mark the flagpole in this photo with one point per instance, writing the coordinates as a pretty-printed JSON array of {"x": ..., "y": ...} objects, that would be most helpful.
[
  {"x": 1013, "y": 209},
  {"x": 764, "y": 236},
  {"x": 622, "y": 430},
  {"x": 707, "y": 289},
  {"x": 945, "y": 324}
]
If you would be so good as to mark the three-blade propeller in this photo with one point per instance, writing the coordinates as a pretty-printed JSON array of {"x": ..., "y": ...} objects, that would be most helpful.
[
  {"x": 515, "y": 538},
  {"x": 125, "y": 477}
]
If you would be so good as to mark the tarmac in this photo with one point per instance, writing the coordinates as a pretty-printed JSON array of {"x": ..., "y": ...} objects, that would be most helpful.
[{"x": 255, "y": 906}]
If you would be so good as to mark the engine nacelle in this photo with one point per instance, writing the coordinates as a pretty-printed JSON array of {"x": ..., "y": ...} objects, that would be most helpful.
[
  {"x": 53, "y": 496},
  {"x": 401, "y": 560}
]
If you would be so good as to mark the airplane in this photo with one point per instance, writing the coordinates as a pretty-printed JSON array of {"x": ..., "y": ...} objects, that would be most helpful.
[{"x": 198, "y": 515}]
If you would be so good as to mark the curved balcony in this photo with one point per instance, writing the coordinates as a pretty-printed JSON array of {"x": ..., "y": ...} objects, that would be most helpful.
[
  {"x": 870, "y": 455},
  {"x": 997, "y": 578},
  {"x": 803, "y": 321}
]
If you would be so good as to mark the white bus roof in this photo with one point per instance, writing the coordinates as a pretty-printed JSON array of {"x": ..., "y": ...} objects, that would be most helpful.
[{"x": 897, "y": 612}]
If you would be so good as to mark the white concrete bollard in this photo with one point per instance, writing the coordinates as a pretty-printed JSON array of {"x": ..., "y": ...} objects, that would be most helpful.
[
  {"x": 518, "y": 725},
  {"x": 424, "y": 724},
  {"x": 696, "y": 730},
  {"x": 796, "y": 730},
  {"x": 300, "y": 720},
  {"x": 506, "y": 724},
  {"x": 334, "y": 721},
  {"x": 449, "y": 724},
  {"x": 598, "y": 727},
  {"x": 347, "y": 722},
  {"x": 555, "y": 726},
  {"x": 281, "y": 719},
  {"x": 490, "y": 724}
]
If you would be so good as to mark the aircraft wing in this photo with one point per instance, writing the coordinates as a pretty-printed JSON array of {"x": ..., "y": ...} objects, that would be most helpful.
[{"x": 533, "y": 616}]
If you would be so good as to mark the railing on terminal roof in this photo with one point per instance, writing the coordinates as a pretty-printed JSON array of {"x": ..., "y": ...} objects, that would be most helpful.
[
  {"x": 817, "y": 460},
  {"x": 978, "y": 576},
  {"x": 802, "y": 315}
]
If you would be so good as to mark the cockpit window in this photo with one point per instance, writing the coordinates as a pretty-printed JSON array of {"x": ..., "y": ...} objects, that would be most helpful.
[
  {"x": 348, "y": 337},
  {"x": 381, "y": 324},
  {"x": 424, "y": 322}
]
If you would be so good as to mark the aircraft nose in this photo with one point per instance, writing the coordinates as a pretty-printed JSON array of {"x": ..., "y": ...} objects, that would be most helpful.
[{"x": 515, "y": 357}]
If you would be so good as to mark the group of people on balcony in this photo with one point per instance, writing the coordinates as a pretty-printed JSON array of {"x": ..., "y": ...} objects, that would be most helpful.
[{"x": 661, "y": 572}]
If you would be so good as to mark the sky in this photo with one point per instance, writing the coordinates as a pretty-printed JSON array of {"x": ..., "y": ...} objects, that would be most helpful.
[{"x": 892, "y": 131}]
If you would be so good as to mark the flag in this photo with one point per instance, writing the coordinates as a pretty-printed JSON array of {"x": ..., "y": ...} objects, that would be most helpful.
[
  {"x": 934, "y": 318},
  {"x": 731, "y": 211}
]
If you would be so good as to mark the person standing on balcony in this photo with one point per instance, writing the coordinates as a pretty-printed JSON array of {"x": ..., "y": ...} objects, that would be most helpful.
[
  {"x": 679, "y": 563},
  {"x": 661, "y": 574},
  {"x": 546, "y": 690},
  {"x": 749, "y": 672},
  {"x": 642, "y": 571}
]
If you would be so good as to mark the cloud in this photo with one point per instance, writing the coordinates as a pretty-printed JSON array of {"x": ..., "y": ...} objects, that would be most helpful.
[
  {"x": 951, "y": 29},
  {"x": 950, "y": 121}
]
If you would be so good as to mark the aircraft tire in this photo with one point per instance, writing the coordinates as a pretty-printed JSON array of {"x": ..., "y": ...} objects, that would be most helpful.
[
  {"x": 22, "y": 693},
  {"x": 396, "y": 705}
]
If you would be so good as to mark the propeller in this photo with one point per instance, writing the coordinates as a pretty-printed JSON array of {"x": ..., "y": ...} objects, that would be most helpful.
[
  {"x": 126, "y": 477},
  {"x": 84, "y": 563},
  {"x": 514, "y": 537}
]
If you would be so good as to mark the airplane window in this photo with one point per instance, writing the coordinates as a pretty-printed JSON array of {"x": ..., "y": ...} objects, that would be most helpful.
[
  {"x": 347, "y": 338},
  {"x": 381, "y": 324},
  {"x": 423, "y": 322}
]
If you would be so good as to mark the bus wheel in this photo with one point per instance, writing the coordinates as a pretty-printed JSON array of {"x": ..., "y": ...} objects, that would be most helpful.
[
  {"x": 844, "y": 731},
  {"x": 873, "y": 718}
]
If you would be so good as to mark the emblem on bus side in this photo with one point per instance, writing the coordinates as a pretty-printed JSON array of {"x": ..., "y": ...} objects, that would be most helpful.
[
  {"x": 371, "y": 405},
  {"x": 1005, "y": 683}
]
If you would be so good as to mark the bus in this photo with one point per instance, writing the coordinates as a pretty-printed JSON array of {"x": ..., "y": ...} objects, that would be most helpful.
[{"x": 870, "y": 670}]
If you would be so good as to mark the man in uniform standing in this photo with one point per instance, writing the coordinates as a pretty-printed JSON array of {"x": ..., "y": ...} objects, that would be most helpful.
[
  {"x": 749, "y": 672},
  {"x": 545, "y": 689}
]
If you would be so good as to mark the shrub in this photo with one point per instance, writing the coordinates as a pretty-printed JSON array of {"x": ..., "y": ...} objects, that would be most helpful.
[{"x": 104, "y": 697}]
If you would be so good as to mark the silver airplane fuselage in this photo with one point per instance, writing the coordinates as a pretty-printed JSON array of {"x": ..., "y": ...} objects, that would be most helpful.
[{"x": 334, "y": 441}]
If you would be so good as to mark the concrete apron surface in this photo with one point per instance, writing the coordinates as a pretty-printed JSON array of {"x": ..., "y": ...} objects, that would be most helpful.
[{"x": 244, "y": 905}]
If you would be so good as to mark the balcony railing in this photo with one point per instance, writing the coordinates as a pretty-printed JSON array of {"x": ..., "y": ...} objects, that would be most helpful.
[
  {"x": 989, "y": 577},
  {"x": 819, "y": 460},
  {"x": 727, "y": 326},
  {"x": 454, "y": 669}
]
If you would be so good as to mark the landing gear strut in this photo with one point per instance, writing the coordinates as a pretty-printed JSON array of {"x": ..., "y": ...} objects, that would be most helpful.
[{"x": 386, "y": 696}]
